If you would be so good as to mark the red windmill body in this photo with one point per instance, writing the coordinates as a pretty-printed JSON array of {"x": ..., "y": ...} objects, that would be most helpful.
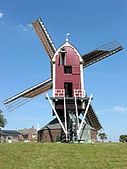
[
  {"x": 68, "y": 70},
  {"x": 68, "y": 85},
  {"x": 69, "y": 99}
]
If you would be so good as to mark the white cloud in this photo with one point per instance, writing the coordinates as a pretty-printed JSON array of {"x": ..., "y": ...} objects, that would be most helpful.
[
  {"x": 25, "y": 27},
  {"x": 119, "y": 109},
  {"x": 1, "y": 14},
  {"x": 29, "y": 25}
]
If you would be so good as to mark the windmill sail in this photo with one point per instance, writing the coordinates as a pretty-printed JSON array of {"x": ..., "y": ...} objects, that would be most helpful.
[
  {"x": 28, "y": 95},
  {"x": 44, "y": 37},
  {"x": 101, "y": 53},
  {"x": 92, "y": 118}
]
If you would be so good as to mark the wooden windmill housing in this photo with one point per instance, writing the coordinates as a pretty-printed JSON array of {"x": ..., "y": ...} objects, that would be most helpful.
[{"x": 69, "y": 99}]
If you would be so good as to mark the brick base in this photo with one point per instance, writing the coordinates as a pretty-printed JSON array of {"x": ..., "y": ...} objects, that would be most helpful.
[
  {"x": 49, "y": 135},
  {"x": 94, "y": 135}
]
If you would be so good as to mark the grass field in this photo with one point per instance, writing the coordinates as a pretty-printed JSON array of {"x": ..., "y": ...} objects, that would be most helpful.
[{"x": 56, "y": 155}]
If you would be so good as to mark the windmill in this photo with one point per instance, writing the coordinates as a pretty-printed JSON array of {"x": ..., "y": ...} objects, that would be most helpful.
[{"x": 69, "y": 99}]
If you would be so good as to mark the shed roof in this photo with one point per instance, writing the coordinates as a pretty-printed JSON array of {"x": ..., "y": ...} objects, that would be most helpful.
[{"x": 54, "y": 124}]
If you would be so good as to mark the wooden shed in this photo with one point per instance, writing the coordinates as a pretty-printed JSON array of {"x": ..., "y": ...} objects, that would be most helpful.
[{"x": 52, "y": 132}]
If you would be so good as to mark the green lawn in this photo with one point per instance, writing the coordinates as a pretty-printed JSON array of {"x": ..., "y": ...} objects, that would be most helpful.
[{"x": 56, "y": 155}]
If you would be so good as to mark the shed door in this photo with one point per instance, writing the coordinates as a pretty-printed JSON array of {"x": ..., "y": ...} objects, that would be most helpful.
[{"x": 68, "y": 89}]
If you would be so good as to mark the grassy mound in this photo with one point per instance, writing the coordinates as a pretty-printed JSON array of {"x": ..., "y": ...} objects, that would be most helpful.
[{"x": 56, "y": 156}]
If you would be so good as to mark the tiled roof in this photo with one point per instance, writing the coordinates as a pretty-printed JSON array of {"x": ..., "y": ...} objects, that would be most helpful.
[
  {"x": 29, "y": 131},
  {"x": 10, "y": 133},
  {"x": 54, "y": 124}
]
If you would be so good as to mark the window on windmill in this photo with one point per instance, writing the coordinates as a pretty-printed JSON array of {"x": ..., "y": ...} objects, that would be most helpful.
[
  {"x": 67, "y": 69},
  {"x": 62, "y": 60}
]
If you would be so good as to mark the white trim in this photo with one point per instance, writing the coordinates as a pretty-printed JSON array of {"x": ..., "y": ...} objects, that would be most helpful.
[
  {"x": 59, "y": 92},
  {"x": 79, "y": 93},
  {"x": 81, "y": 76},
  {"x": 67, "y": 44},
  {"x": 54, "y": 79}
]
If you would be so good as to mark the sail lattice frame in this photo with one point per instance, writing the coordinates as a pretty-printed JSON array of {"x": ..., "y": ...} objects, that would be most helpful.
[
  {"x": 101, "y": 53},
  {"x": 44, "y": 37},
  {"x": 92, "y": 119},
  {"x": 27, "y": 95}
]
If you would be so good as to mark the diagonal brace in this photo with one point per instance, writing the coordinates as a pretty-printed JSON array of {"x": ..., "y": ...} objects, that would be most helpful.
[{"x": 56, "y": 114}]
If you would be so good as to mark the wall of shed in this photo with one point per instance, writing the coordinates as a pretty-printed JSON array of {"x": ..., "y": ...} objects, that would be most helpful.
[
  {"x": 29, "y": 137},
  {"x": 9, "y": 138},
  {"x": 89, "y": 135},
  {"x": 49, "y": 135},
  {"x": 85, "y": 136},
  {"x": 94, "y": 135}
]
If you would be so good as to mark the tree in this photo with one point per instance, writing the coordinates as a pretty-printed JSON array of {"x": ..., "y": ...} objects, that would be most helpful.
[
  {"x": 20, "y": 130},
  {"x": 123, "y": 138},
  {"x": 3, "y": 121},
  {"x": 102, "y": 136}
]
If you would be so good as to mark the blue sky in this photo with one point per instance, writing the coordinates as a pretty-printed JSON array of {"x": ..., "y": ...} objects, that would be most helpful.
[{"x": 24, "y": 63}]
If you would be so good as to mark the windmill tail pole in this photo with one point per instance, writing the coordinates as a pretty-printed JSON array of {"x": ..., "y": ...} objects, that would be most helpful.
[
  {"x": 81, "y": 125},
  {"x": 56, "y": 115}
]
